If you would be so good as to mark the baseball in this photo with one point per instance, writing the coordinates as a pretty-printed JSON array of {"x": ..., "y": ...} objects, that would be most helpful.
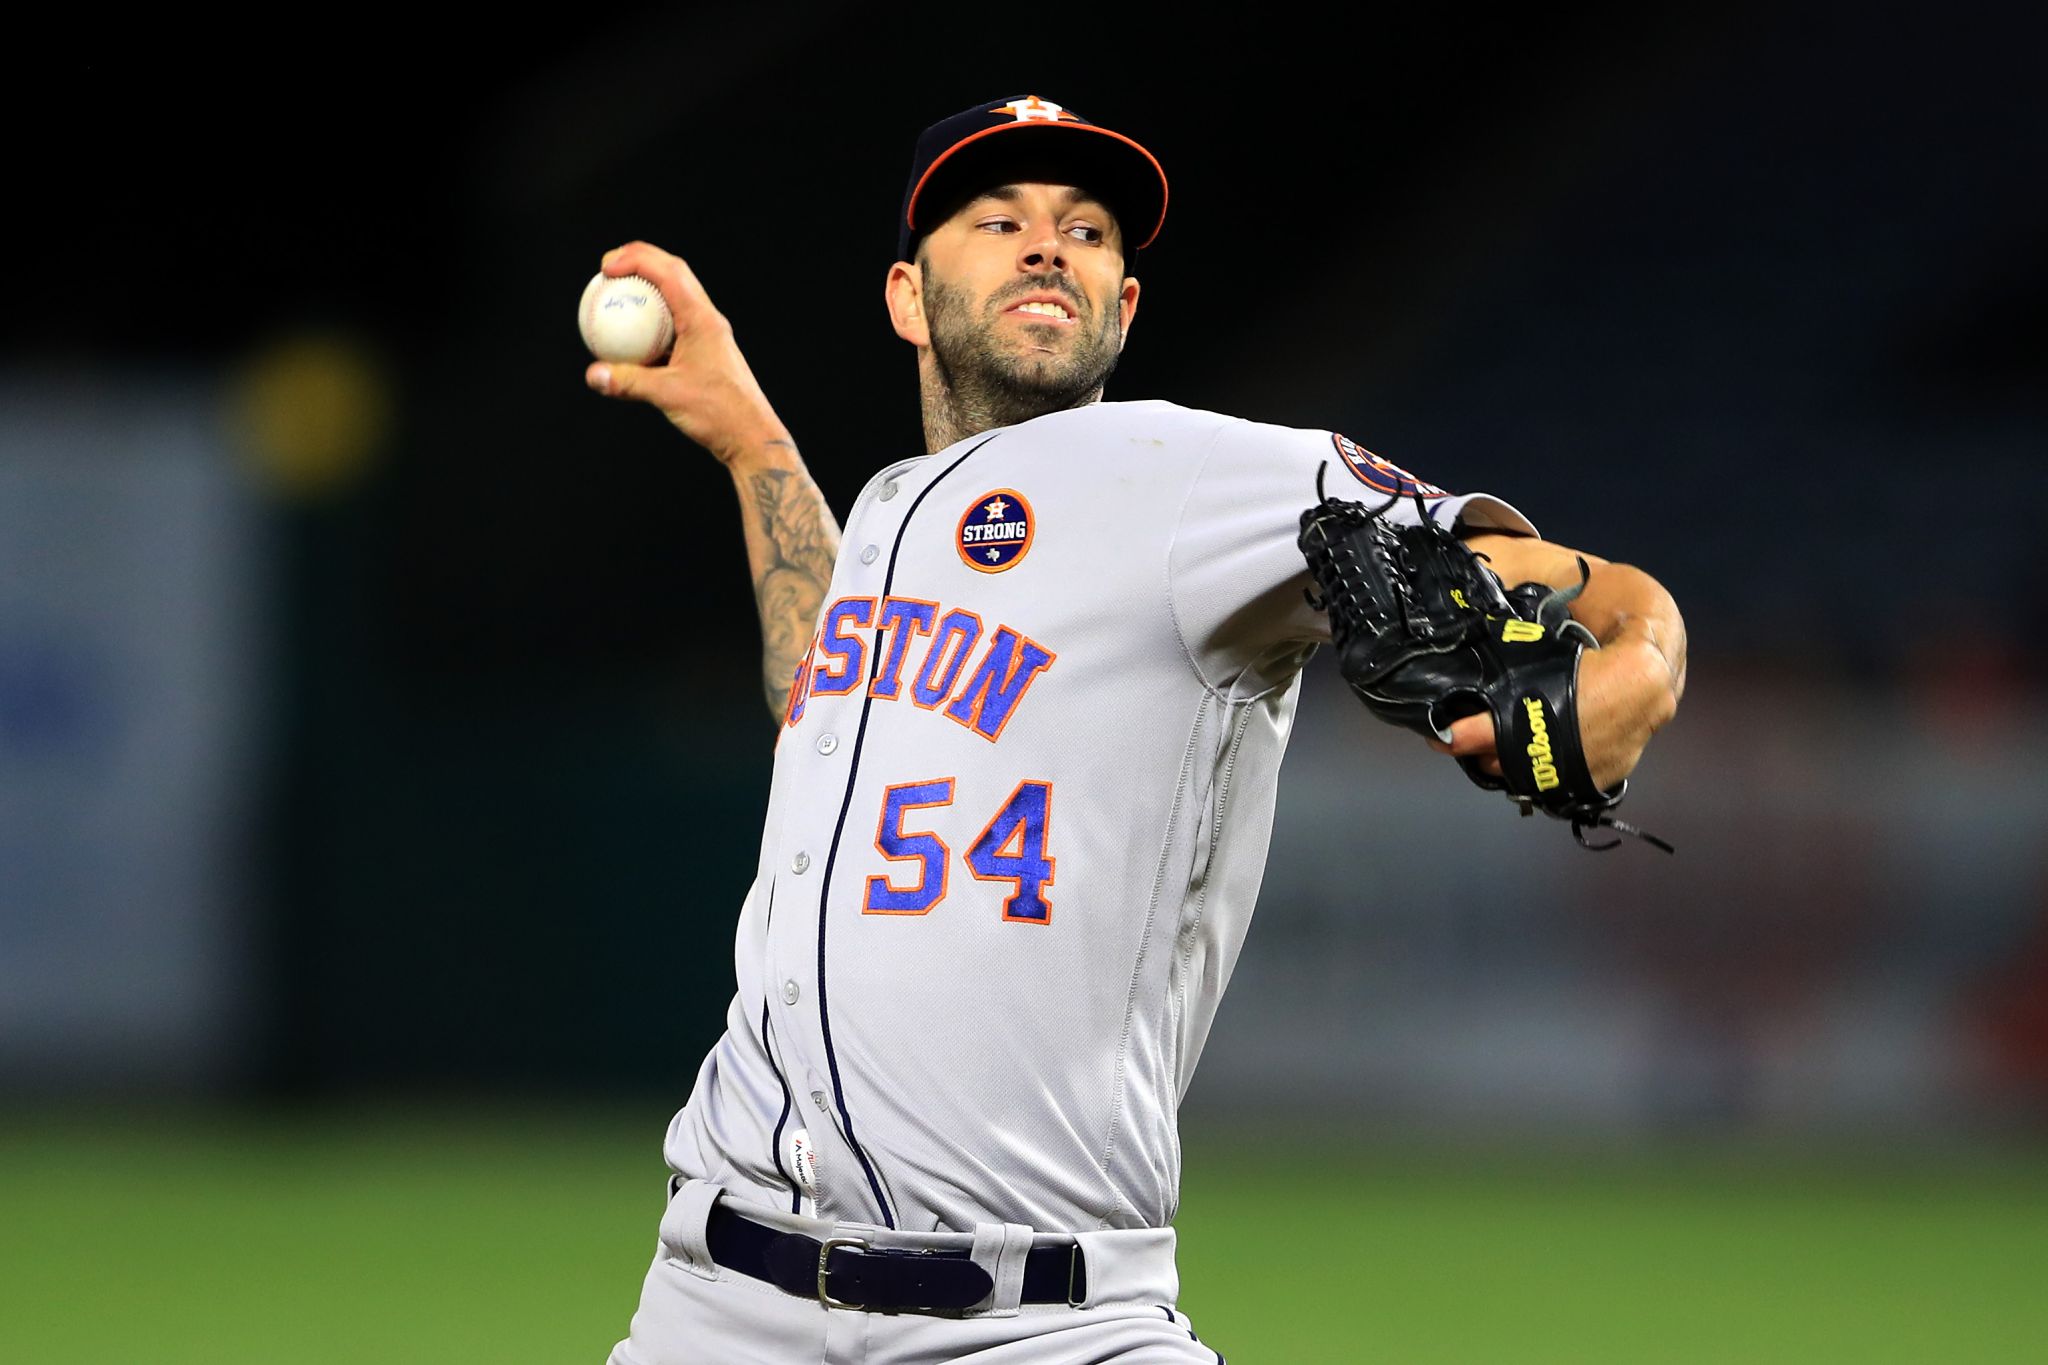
[{"x": 624, "y": 319}]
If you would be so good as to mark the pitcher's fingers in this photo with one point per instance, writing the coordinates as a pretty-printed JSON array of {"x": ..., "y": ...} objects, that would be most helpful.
[
  {"x": 616, "y": 379},
  {"x": 1472, "y": 736},
  {"x": 671, "y": 274}
]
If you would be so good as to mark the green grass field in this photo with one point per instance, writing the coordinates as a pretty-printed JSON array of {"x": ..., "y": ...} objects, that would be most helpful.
[{"x": 516, "y": 1238}]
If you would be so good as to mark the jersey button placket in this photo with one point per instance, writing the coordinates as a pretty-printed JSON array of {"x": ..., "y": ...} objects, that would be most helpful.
[{"x": 812, "y": 817}]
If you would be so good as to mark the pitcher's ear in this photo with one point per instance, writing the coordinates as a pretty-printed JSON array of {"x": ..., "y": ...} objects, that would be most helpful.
[{"x": 904, "y": 293}]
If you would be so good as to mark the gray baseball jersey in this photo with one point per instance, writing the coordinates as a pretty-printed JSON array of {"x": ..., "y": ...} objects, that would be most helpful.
[{"x": 1022, "y": 799}]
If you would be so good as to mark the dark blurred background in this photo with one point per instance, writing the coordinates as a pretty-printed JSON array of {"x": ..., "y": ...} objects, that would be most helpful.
[
  {"x": 377, "y": 706},
  {"x": 378, "y": 713}
]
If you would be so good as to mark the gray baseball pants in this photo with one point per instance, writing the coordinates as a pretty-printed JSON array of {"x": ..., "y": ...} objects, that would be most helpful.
[{"x": 694, "y": 1312}]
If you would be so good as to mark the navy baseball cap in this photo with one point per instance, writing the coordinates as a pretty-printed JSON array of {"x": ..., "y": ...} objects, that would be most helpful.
[{"x": 1027, "y": 138}]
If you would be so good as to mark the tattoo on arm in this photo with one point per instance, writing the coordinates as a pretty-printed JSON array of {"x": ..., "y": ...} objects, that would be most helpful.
[{"x": 791, "y": 573}]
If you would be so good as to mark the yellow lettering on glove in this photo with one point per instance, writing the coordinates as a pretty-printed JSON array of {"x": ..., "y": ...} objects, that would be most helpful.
[
  {"x": 1541, "y": 764},
  {"x": 1520, "y": 632}
]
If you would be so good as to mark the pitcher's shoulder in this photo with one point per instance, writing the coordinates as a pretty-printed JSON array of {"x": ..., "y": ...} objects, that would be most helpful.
[{"x": 1151, "y": 420}]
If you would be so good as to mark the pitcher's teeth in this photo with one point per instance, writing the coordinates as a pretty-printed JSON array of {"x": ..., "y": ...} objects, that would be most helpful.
[{"x": 1051, "y": 310}]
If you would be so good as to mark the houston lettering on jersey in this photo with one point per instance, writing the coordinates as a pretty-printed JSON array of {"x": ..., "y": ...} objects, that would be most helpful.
[{"x": 978, "y": 682}]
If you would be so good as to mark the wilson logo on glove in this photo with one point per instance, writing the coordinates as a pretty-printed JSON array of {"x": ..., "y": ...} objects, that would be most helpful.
[{"x": 1541, "y": 765}]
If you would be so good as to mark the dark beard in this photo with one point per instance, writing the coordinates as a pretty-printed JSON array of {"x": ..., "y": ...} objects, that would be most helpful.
[{"x": 985, "y": 386}]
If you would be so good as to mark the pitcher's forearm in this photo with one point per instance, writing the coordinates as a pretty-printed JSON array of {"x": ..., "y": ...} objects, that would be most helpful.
[
  {"x": 792, "y": 541},
  {"x": 707, "y": 390}
]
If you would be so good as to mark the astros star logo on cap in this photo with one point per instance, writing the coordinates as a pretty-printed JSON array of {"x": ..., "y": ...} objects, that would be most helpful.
[{"x": 1032, "y": 107}]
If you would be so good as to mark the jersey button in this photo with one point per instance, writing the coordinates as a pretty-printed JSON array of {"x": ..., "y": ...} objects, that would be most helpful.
[
  {"x": 827, "y": 743},
  {"x": 869, "y": 555},
  {"x": 799, "y": 863},
  {"x": 888, "y": 491},
  {"x": 790, "y": 993}
]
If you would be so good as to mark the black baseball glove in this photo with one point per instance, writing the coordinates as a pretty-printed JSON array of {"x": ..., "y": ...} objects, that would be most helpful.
[{"x": 1426, "y": 633}]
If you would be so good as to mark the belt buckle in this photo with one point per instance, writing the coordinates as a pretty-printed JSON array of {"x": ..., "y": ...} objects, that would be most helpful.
[{"x": 824, "y": 1254}]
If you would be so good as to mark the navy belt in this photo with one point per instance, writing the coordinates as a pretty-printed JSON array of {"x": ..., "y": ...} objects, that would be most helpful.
[{"x": 845, "y": 1272}]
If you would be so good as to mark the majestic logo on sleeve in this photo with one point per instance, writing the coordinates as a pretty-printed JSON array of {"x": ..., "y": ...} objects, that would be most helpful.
[
  {"x": 1379, "y": 473},
  {"x": 995, "y": 531}
]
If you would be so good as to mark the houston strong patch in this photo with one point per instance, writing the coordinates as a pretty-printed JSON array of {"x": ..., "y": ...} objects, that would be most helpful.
[{"x": 995, "y": 531}]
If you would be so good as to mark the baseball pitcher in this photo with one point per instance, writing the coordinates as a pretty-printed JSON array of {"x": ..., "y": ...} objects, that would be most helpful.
[{"x": 1032, "y": 699}]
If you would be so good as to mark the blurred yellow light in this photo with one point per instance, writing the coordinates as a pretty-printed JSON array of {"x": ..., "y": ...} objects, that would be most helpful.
[{"x": 312, "y": 414}]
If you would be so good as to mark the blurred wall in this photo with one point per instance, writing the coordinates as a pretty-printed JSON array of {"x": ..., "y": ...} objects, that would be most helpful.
[
  {"x": 1848, "y": 941},
  {"x": 378, "y": 707},
  {"x": 130, "y": 566}
]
